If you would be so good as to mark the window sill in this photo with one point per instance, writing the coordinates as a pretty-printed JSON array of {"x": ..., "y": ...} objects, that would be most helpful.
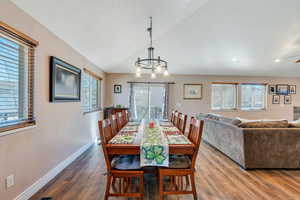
[
  {"x": 8, "y": 132},
  {"x": 224, "y": 110},
  {"x": 92, "y": 111},
  {"x": 254, "y": 110}
]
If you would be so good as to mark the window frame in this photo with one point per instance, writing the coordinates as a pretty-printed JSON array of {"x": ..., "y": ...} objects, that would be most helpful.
[
  {"x": 31, "y": 44},
  {"x": 98, "y": 78},
  {"x": 265, "y": 99},
  {"x": 235, "y": 98}
]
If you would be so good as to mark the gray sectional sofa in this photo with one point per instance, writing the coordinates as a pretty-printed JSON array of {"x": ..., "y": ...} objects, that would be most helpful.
[{"x": 253, "y": 148}]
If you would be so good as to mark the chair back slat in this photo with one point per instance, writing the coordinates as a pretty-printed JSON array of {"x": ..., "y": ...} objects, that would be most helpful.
[
  {"x": 182, "y": 122},
  {"x": 114, "y": 124},
  {"x": 195, "y": 135},
  {"x": 120, "y": 120},
  {"x": 173, "y": 116},
  {"x": 176, "y": 117},
  {"x": 105, "y": 131},
  {"x": 125, "y": 116}
]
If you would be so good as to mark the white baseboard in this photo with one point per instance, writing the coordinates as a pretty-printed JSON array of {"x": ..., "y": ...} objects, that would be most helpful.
[{"x": 34, "y": 188}]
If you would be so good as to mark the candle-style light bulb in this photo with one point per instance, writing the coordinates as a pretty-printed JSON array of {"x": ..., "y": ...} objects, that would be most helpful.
[
  {"x": 153, "y": 75},
  {"x": 166, "y": 73}
]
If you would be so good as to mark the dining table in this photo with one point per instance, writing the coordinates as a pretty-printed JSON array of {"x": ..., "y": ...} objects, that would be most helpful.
[{"x": 153, "y": 140}]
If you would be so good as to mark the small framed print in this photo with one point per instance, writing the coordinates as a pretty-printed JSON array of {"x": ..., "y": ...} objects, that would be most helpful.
[
  {"x": 192, "y": 91},
  {"x": 287, "y": 99},
  {"x": 276, "y": 99},
  {"x": 282, "y": 89},
  {"x": 117, "y": 89},
  {"x": 292, "y": 89},
  {"x": 272, "y": 89}
]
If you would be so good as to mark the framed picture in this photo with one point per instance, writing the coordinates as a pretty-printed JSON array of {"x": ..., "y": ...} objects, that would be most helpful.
[
  {"x": 65, "y": 80},
  {"x": 117, "y": 89},
  {"x": 287, "y": 99},
  {"x": 292, "y": 89},
  {"x": 192, "y": 91},
  {"x": 282, "y": 89},
  {"x": 276, "y": 99},
  {"x": 272, "y": 89}
]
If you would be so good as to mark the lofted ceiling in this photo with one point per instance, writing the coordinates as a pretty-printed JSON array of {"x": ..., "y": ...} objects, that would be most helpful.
[{"x": 231, "y": 37}]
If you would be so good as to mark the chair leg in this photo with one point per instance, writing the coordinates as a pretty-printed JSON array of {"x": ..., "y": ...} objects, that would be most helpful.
[
  {"x": 161, "y": 186},
  {"x": 142, "y": 186},
  {"x": 107, "y": 187},
  {"x": 193, "y": 186}
]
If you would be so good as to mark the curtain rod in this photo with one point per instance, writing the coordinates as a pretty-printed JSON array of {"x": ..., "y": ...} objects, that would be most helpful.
[{"x": 151, "y": 82}]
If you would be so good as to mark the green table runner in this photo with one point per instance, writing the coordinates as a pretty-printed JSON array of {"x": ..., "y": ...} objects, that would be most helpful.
[{"x": 154, "y": 147}]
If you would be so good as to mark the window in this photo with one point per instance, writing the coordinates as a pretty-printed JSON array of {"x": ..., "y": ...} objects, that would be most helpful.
[
  {"x": 223, "y": 96},
  {"x": 16, "y": 79},
  {"x": 253, "y": 96},
  {"x": 91, "y": 90}
]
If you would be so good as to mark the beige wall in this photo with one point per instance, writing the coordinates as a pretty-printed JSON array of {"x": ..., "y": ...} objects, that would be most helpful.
[
  {"x": 192, "y": 107},
  {"x": 61, "y": 127}
]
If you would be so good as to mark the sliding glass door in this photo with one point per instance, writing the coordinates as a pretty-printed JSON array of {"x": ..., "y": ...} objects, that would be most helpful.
[{"x": 148, "y": 101}]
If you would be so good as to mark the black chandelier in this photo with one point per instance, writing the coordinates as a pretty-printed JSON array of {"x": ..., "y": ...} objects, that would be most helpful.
[{"x": 156, "y": 65}]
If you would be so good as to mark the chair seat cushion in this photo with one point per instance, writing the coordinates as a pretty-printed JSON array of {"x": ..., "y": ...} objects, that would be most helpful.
[
  {"x": 126, "y": 162},
  {"x": 179, "y": 162}
]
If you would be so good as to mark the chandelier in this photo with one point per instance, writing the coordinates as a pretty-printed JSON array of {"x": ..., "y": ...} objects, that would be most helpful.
[{"x": 156, "y": 65}]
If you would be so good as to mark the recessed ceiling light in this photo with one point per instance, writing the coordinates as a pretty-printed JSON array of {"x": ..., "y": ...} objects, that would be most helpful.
[
  {"x": 277, "y": 60},
  {"x": 234, "y": 59}
]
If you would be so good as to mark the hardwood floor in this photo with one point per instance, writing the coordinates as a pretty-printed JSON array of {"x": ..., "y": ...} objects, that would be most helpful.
[{"x": 217, "y": 178}]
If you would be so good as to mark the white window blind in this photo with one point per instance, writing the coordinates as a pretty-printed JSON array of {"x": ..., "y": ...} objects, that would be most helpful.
[
  {"x": 91, "y": 90},
  {"x": 15, "y": 98},
  {"x": 223, "y": 96},
  {"x": 253, "y": 96}
]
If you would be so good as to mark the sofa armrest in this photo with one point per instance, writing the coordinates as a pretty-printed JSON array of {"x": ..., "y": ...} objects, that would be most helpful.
[{"x": 272, "y": 147}]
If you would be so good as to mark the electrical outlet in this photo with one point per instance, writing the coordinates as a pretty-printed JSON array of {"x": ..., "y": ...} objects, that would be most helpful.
[{"x": 10, "y": 181}]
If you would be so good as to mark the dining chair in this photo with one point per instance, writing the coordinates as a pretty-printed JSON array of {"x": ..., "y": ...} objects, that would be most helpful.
[
  {"x": 181, "y": 166},
  {"x": 182, "y": 123},
  {"x": 125, "y": 168},
  {"x": 114, "y": 124}
]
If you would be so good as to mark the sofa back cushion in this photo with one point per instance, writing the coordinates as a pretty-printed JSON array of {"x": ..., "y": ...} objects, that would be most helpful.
[
  {"x": 265, "y": 124},
  {"x": 229, "y": 120}
]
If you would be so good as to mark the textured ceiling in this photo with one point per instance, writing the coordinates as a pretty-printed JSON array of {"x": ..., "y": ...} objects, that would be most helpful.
[{"x": 194, "y": 36}]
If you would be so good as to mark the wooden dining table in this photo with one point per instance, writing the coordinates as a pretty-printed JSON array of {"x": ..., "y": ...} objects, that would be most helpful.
[{"x": 134, "y": 148}]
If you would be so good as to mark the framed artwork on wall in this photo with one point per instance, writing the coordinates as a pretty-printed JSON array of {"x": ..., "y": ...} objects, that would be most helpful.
[
  {"x": 282, "y": 89},
  {"x": 117, "y": 89},
  {"x": 65, "y": 81},
  {"x": 272, "y": 89},
  {"x": 276, "y": 99},
  {"x": 292, "y": 89},
  {"x": 192, "y": 91},
  {"x": 287, "y": 99}
]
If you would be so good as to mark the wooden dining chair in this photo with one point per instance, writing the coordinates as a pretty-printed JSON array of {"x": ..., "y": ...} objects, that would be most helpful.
[
  {"x": 125, "y": 168},
  {"x": 114, "y": 124},
  {"x": 181, "y": 125},
  {"x": 181, "y": 166}
]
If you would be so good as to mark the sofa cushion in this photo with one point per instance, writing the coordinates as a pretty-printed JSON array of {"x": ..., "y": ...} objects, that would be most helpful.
[
  {"x": 126, "y": 162},
  {"x": 202, "y": 116},
  {"x": 229, "y": 120},
  {"x": 213, "y": 116},
  {"x": 265, "y": 124},
  {"x": 179, "y": 162},
  {"x": 294, "y": 124}
]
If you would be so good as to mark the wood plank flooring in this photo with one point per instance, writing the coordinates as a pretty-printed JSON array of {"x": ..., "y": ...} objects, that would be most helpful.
[{"x": 217, "y": 178}]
